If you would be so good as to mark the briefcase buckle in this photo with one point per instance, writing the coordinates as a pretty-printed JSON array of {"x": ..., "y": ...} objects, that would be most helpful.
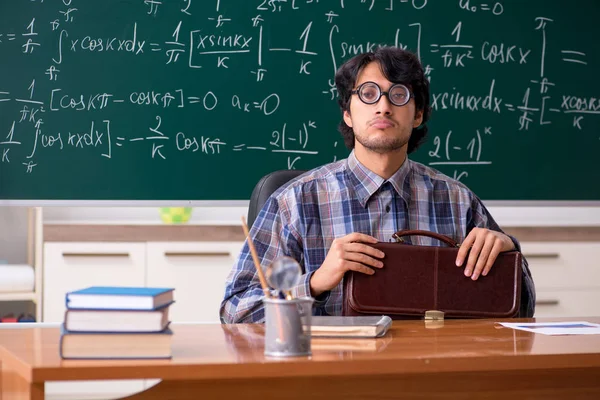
[{"x": 397, "y": 238}]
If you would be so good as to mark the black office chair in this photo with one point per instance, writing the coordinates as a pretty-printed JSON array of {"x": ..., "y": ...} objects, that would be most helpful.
[{"x": 265, "y": 187}]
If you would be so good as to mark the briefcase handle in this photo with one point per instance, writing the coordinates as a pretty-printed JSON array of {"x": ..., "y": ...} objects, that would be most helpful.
[{"x": 416, "y": 232}]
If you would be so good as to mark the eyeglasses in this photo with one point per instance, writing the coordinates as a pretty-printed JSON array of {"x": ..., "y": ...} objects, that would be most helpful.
[{"x": 370, "y": 93}]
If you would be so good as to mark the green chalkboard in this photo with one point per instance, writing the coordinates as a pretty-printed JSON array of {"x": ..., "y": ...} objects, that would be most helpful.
[{"x": 197, "y": 99}]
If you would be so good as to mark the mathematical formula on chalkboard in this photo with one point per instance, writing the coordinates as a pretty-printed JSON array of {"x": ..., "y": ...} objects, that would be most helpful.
[{"x": 184, "y": 85}]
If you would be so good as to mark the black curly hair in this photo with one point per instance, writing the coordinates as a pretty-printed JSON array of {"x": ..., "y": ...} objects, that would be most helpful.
[{"x": 398, "y": 66}]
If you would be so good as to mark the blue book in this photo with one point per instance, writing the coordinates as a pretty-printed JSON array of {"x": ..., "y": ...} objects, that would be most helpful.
[
  {"x": 114, "y": 345},
  {"x": 119, "y": 298}
]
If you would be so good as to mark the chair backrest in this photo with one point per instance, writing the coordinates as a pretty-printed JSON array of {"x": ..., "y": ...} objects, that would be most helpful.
[{"x": 265, "y": 187}]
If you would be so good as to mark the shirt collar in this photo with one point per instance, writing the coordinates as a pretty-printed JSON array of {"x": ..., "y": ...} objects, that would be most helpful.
[{"x": 367, "y": 182}]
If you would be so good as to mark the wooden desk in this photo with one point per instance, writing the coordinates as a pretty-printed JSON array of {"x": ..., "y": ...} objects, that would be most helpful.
[{"x": 462, "y": 359}]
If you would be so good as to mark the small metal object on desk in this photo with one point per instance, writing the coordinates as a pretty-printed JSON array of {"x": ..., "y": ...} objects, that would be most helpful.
[
  {"x": 434, "y": 315},
  {"x": 434, "y": 319},
  {"x": 287, "y": 321},
  {"x": 287, "y": 327}
]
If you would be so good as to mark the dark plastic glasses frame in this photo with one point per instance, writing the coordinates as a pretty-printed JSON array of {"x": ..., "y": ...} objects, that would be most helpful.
[{"x": 380, "y": 93}]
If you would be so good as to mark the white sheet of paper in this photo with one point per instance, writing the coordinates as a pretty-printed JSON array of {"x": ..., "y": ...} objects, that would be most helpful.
[{"x": 556, "y": 328}]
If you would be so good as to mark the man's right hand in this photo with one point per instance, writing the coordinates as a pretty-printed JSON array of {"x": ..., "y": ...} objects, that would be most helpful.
[{"x": 348, "y": 253}]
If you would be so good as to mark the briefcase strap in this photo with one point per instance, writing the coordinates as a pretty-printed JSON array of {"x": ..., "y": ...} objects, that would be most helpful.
[{"x": 416, "y": 232}]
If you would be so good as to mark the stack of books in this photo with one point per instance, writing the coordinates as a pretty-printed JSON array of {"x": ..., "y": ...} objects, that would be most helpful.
[{"x": 117, "y": 323}]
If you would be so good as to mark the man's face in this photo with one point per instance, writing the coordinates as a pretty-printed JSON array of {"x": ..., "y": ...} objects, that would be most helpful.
[{"x": 381, "y": 127}]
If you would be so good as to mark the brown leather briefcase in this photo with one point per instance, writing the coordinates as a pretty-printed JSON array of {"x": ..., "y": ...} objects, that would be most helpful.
[{"x": 416, "y": 279}]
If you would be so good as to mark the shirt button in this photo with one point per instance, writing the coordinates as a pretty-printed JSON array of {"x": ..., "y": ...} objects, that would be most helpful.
[{"x": 387, "y": 209}]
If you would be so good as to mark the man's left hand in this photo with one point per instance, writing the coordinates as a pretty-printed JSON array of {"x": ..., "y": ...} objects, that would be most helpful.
[{"x": 485, "y": 245}]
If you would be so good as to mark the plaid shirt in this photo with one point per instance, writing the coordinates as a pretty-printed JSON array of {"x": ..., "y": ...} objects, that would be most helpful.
[{"x": 303, "y": 217}]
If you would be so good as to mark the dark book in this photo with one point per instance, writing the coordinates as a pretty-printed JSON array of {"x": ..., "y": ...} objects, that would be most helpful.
[{"x": 115, "y": 345}]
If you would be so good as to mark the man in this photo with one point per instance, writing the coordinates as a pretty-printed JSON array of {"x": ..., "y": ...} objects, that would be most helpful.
[{"x": 327, "y": 218}]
